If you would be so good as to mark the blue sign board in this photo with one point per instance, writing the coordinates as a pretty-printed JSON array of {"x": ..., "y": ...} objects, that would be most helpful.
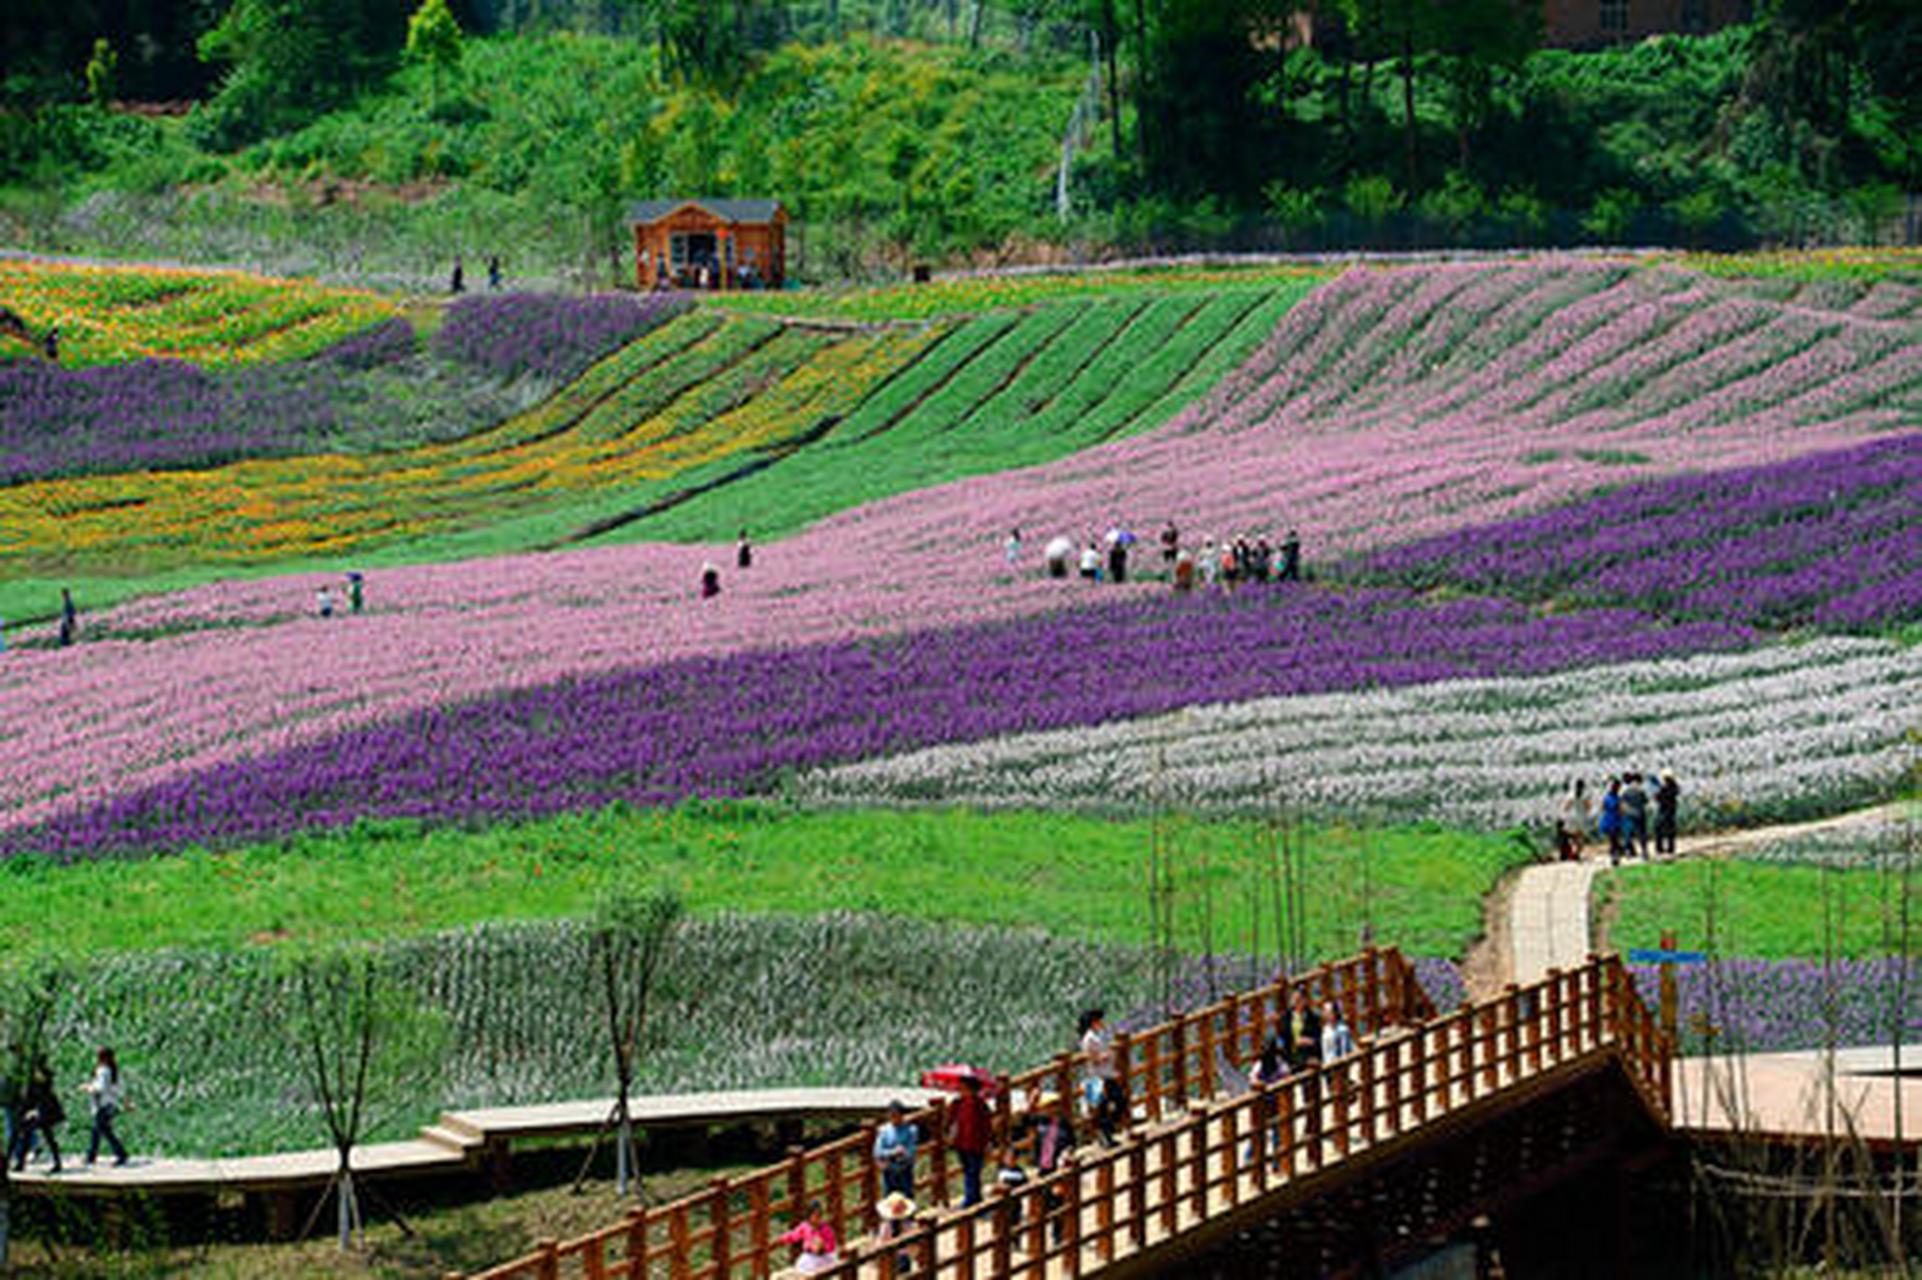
[{"x": 1649, "y": 955}]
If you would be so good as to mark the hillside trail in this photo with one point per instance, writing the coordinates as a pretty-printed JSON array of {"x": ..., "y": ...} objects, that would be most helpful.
[{"x": 1538, "y": 918}]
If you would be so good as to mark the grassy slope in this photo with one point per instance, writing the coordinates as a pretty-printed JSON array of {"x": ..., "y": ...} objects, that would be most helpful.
[
  {"x": 1765, "y": 910},
  {"x": 1073, "y": 875}
]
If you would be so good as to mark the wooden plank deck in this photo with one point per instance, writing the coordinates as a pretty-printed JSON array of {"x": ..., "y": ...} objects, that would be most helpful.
[
  {"x": 1784, "y": 1095},
  {"x": 456, "y": 1140}
]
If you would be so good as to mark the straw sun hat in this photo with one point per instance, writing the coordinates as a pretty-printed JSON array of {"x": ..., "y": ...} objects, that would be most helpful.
[{"x": 894, "y": 1207}]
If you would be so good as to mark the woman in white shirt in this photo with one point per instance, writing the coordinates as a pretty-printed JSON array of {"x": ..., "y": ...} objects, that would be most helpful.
[{"x": 104, "y": 1092}]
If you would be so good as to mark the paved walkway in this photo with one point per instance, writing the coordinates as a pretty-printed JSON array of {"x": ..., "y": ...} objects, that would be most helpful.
[
  {"x": 457, "y": 1138},
  {"x": 1548, "y": 919},
  {"x": 1787, "y": 1095}
]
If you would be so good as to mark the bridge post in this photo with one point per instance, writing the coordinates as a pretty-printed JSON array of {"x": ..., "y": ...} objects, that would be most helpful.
[
  {"x": 636, "y": 1246},
  {"x": 1138, "y": 1194},
  {"x": 797, "y": 1183},
  {"x": 1180, "y": 1037},
  {"x": 548, "y": 1265},
  {"x": 1104, "y": 1207},
  {"x": 1595, "y": 975},
  {"x": 1124, "y": 1070},
  {"x": 938, "y": 1150},
  {"x": 1003, "y": 1232},
  {"x": 1558, "y": 1051},
  {"x": 1371, "y": 970},
  {"x": 1064, "y": 1087},
  {"x": 1285, "y": 1127},
  {"x": 718, "y": 1213},
  {"x": 1003, "y": 1125},
  {"x": 1210, "y": 1041},
  {"x": 1230, "y": 1155},
  {"x": 1170, "y": 1198},
  {"x": 1071, "y": 1216}
]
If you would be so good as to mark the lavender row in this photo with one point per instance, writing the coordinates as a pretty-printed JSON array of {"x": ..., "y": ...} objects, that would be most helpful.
[
  {"x": 550, "y": 336},
  {"x": 1829, "y": 539},
  {"x": 1765, "y": 1006},
  {"x": 737, "y": 724}
]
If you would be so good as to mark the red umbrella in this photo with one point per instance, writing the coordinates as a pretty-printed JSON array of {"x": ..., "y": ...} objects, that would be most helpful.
[{"x": 950, "y": 1075}]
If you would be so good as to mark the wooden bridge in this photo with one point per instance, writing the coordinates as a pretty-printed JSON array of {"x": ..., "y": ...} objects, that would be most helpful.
[{"x": 1434, "y": 1120}]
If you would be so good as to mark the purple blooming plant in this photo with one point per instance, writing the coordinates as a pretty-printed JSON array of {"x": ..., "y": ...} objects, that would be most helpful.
[
  {"x": 1831, "y": 539},
  {"x": 1764, "y": 1006},
  {"x": 735, "y": 724},
  {"x": 546, "y": 335}
]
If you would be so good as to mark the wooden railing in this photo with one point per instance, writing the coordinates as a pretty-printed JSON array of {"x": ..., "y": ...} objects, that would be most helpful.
[{"x": 730, "y": 1229}]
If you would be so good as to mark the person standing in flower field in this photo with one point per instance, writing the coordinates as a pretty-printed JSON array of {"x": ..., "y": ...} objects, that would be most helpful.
[
  {"x": 69, "y": 618},
  {"x": 1011, "y": 549},
  {"x": 710, "y": 581},
  {"x": 894, "y": 1145},
  {"x": 1668, "y": 798},
  {"x": 1170, "y": 544},
  {"x": 1291, "y": 557},
  {"x": 324, "y": 601},
  {"x": 743, "y": 552},
  {"x": 356, "y": 597}
]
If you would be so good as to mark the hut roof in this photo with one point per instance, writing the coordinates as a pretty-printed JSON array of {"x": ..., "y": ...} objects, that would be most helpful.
[{"x": 726, "y": 209}]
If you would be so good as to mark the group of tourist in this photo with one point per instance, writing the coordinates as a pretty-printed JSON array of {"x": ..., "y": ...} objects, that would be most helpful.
[
  {"x": 1305, "y": 1039},
  {"x": 1630, "y": 811},
  {"x": 1250, "y": 558},
  {"x": 34, "y": 1113},
  {"x": 711, "y": 572}
]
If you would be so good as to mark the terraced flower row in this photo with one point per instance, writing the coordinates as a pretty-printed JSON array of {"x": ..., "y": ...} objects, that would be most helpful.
[
  {"x": 1833, "y": 539},
  {"x": 546, "y": 336},
  {"x": 1770, "y": 734},
  {"x": 112, "y": 314},
  {"x": 736, "y": 724}
]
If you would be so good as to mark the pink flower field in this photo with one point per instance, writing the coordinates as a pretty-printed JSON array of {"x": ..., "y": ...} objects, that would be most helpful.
[{"x": 1391, "y": 404}]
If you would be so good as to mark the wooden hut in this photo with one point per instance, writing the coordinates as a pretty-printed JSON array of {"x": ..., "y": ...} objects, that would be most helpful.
[{"x": 709, "y": 244}]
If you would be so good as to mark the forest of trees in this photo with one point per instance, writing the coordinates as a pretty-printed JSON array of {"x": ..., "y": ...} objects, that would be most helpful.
[{"x": 1403, "y": 121}]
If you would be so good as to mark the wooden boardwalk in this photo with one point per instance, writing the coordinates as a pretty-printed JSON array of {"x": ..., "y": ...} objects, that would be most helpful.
[
  {"x": 1190, "y": 1171},
  {"x": 458, "y": 1141}
]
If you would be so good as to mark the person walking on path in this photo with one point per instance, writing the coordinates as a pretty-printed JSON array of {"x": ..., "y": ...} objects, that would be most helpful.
[
  {"x": 1108, "y": 1099},
  {"x": 103, "y": 1091},
  {"x": 1634, "y": 816},
  {"x": 970, "y": 1130},
  {"x": 1668, "y": 797},
  {"x": 69, "y": 618},
  {"x": 894, "y": 1145},
  {"x": 40, "y": 1112},
  {"x": 819, "y": 1249},
  {"x": 1571, "y": 825},
  {"x": 743, "y": 552}
]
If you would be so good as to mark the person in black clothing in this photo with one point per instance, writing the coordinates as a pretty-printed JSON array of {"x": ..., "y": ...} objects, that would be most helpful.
[
  {"x": 1634, "y": 816},
  {"x": 1667, "y": 796},
  {"x": 1263, "y": 558},
  {"x": 51, "y": 344},
  {"x": 710, "y": 581},
  {"x": 743, "y": 552},
  {"x": 494, "y": 272},
  {"x": 1291, "y": 558},
  {"x": 40, "y": 1112},
  {"x": 1170, "y": 545},
  {"x": 69, "y": 618},
  {"x": 1117, "y": 560},
  {"x": 1303, "y": 1029},
  {"x": 457, "y": 283}
]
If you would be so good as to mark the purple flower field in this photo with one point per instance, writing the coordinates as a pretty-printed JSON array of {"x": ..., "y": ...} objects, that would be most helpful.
[
  {"x": 728, "y": 725},
  {"x": 544, "y": 335},
  {"x": 1832, "y": 539},
  {"x": 1763, "y": 1006}
]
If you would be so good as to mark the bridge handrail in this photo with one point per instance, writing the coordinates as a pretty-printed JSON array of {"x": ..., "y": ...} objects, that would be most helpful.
[{"x": 729, "y": 1229}]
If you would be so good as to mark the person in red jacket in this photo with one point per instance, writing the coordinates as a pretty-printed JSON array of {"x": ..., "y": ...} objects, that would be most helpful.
[{"x": 970, "y": 1130}]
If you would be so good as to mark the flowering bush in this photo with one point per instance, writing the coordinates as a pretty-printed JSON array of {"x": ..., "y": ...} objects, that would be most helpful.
[{"x": 1762, "y": 1006}]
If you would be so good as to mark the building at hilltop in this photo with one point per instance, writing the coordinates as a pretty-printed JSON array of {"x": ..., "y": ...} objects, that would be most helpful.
[{"x": 709, "y": 243}]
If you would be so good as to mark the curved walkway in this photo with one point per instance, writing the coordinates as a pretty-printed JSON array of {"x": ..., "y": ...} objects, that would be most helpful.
[
  {"x": 1548, "y": 920},
  {"x": 458, "y": 1140}
]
